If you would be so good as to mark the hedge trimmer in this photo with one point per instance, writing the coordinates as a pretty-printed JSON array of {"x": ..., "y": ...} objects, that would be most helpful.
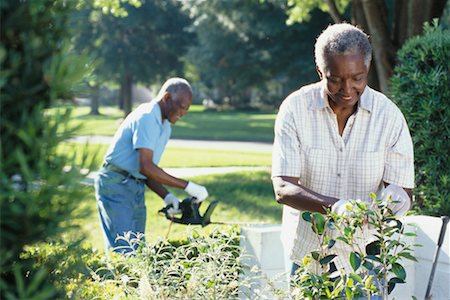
[{"x": 190, "y": 214}]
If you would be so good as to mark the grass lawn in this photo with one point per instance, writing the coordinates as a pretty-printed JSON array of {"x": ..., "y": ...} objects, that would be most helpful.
[
  {"x": 177, "y": 157},
  {"x": 243, "y": 197},
  {"x": 197, "y": 124}
]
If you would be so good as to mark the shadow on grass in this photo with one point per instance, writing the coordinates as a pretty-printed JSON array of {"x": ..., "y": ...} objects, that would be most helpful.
[
  {"x": 247, "y": 196},
  {"x": 100, "y": 117}
]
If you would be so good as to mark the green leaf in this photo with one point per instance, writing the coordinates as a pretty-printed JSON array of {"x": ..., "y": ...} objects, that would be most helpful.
[
  {"x": 368, "y": 265},
  {"x": 407, "y": 256},
  {"x": 392, "y": 282},
  {"x": 331, "y": 243},
  {"x": 315, "y": 255},
  {"x": 348, "y": 231},
  {"x": 373, "y": 248},
  {"x": 355, "y": 260},
  {"x": 327, "y": 259},
  {"x": 399, "y": 271},
  {"x": 373, "y": 257},
  {"x": 409, "y": 234},
  {"x": 348, "y": 293},
  {"x": 306, "y": 215},
  {"x": 356, "y": 277},
  {"x": 319, "y": 223},
  {"x": 368, "y": 282}
]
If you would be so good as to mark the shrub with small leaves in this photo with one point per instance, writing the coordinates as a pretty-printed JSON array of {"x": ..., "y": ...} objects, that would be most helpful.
[
  {"x": 421, "y": 88},
  {"x": 376, "y": 267},
  {"x": 200, "y": 267}
]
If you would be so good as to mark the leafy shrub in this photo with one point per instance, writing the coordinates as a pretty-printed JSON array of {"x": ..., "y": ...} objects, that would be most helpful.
[
  {"x": 376, "y": 268},
  {"x": 195, "y": 268},
  {"x": 421, "y": 87},
  {"x": 38, "y": 192}
]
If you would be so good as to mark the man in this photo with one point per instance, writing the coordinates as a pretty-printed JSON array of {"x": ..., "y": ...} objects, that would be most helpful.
[
  {"x": 336, "y": 140},
  {"x": 131, "y": 162}
]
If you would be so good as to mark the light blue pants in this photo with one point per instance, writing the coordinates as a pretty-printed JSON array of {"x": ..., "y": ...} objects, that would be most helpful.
[{"x": 121, "y": 207}]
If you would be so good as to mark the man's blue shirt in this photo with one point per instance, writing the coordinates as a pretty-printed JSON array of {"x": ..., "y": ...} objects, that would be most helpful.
[{"x": 142, "y": 128}]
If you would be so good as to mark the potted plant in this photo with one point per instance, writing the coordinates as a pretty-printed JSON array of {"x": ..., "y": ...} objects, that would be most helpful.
[{"x": 375, "y": 264}]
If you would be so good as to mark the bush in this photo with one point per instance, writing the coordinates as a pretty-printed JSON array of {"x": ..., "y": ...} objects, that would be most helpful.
[
  {"x": 38, "y": 193},
  {"x": 421, "y": 88},
  {"x": 195, "y": 268},
  {"x": 376, "y": 268}
]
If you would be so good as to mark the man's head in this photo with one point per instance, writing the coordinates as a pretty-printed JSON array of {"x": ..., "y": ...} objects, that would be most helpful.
[
  {"x": 175, "y": 98},
  {"x": 343, "y": 54}
]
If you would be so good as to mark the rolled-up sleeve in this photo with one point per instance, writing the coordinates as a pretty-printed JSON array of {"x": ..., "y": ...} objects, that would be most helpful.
[{"x": 399, "y": 157}]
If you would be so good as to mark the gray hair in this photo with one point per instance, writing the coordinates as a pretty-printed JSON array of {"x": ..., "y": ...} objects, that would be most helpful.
[
  {"x": 174, "y": 85},
  {"x": 342, "y": 39}
]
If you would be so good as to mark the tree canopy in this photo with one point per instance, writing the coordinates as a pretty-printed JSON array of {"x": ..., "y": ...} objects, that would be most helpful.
[
  {"x": 389, "y": 23},
  {"x": 246, "y": 50},
  {"x": 146, "y": 45}
]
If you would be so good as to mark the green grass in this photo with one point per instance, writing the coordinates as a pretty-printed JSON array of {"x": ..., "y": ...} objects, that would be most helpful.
[
  {"x": 177, "y": 157},
  {"x": 243, "y": 197},
  {"x": 197, "y": 124}
]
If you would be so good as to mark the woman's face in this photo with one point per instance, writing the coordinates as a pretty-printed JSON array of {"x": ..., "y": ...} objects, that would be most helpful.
[{"x": 345, "y": 76}]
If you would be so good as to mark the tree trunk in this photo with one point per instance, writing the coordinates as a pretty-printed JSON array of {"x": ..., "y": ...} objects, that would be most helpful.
[
  {"x": 95, "y": 103},
  {"x": 121, "y": 94},
  {"x": 375, "y": 12},
  {"x": 334, "y": 13},
  {"x": 127, "y": 93},
  {"x": 399, "y": 29},
  {"x": 408, "y": 20},
  {"x": 359, "y": 19},
  {"x": 410, "y": 15}
]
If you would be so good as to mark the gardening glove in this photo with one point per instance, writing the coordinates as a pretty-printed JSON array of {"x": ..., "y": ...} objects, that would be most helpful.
[
  {"x": 170, "y": 199},
  {"x": 397, "y": 199},
  {"x": 197, "y": 191},
  {"x": 342, "y": 208}
]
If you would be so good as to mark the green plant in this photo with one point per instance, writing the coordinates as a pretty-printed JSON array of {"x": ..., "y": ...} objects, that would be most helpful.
[
  {"x": 198, "y": 267},
  {"x": 375, "y": 267},
  {"x": 38, "y": 192},
  {"x": 421, "y": 88}
]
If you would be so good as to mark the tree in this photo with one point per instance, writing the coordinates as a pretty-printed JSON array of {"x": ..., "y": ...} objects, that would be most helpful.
[
  {"x": 246, "y": 46},
  {"x": 389, "y": 24},
  {"x": 38, "y": 195},
  {"x": 145, "y": 45}
]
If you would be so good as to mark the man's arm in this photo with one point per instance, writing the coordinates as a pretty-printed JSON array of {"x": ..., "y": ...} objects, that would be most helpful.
[
  {"x": 157, "y": 187},
  {"x": 155, "y": 173},
  {"x": 289, "y": 192}
]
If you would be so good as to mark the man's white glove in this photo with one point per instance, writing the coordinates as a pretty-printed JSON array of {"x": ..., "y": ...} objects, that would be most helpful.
[
  {"x": 170, "y": 199},
  {"x": 197, "y": 191},
  {"x": 342, "y": 208},
  {"x": 397, "y": 199}
]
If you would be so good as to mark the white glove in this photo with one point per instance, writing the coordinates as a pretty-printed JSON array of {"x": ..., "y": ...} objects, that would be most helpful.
[
  {"x": 342, "y": 208},
  {"x": 397, "y": 199},
  {"x": 197, "y": 191},
  {"x": 170, "y": 199}
]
